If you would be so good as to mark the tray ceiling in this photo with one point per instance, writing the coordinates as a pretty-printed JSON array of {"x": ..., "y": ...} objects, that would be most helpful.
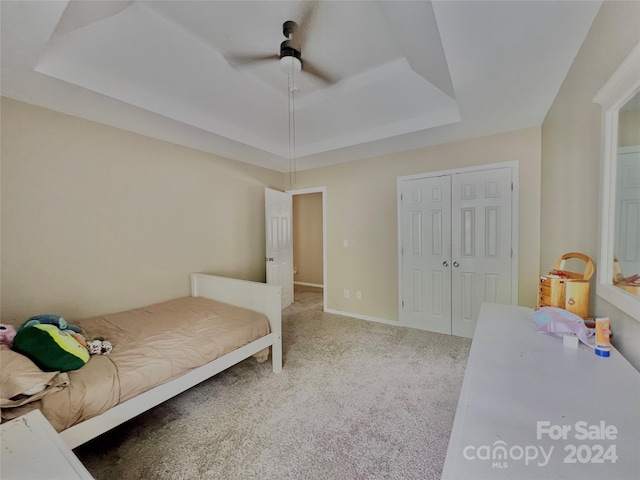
[{"x": 411, "y": 73}]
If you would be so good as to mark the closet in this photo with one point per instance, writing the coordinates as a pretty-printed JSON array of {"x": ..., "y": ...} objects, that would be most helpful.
[{"x": 456, "y": 237}]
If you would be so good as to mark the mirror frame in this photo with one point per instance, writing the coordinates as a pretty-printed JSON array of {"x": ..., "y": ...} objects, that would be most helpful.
[{"x": 623, "y": 84}]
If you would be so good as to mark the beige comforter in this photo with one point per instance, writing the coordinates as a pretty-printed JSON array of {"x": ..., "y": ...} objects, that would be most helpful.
[{"x": 151, "y": 346}]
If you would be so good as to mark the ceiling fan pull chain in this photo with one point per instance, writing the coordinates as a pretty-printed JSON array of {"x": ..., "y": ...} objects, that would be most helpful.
[{"x": 292, "y": 128}]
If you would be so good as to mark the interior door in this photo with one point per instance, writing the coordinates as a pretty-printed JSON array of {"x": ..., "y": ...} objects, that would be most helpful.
[
  {"x": 481, "y": 244},
  {"x": 279, "y": 244},
  {"x": 426, "y": 253}
]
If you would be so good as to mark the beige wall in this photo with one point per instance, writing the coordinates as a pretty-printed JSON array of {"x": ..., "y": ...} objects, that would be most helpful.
[
  {"x": 307, "y": 238},
  {"x": 571, "y": 150},
  {"x": 97, "y": 219},
  {"x": 362, "y": 209}
]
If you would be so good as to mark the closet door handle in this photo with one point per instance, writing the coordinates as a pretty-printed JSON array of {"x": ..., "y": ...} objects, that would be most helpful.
[
  {"x": 456, "y": 264},
  {"x": 445, "y": 264}
]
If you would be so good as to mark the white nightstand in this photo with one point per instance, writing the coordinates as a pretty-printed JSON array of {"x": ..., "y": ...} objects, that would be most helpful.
[{"x": 32, "y": 449}]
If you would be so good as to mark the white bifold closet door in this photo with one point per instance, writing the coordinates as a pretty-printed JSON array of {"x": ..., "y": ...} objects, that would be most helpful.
[{"x": 456, "y": 248}]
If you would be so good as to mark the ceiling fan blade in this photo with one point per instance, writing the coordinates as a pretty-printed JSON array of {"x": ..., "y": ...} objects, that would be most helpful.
[
  {"x": 307, "y": 18},
  {"x": 312, "y": 69},
  {"x": 245, "y": 59}
]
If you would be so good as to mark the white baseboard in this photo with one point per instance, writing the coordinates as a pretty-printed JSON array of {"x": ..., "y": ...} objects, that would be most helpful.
[
  {"x": 307, "y": 284},
  {"x": 363, "y": 317}
]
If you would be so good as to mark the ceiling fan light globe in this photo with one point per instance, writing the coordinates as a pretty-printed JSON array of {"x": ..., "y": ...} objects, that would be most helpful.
[{"x": 290, "y": 65}]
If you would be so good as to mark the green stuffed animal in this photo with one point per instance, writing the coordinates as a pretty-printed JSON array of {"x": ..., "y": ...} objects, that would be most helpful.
[{"x": 51, "y": 343}]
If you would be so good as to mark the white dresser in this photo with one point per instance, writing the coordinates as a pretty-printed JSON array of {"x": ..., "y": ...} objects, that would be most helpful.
[
  {"x": 531, "y": 408},
  {"x": 33, "y": 450}
]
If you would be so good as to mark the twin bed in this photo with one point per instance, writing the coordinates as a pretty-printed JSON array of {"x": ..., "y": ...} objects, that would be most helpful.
[{"x": 159, "y": 351}]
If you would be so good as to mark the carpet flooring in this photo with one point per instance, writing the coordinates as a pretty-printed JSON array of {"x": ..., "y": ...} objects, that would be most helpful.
[{"x": 355, "y": 400}]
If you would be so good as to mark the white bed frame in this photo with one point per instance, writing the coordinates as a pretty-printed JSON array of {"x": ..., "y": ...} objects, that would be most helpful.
[{"x": 260, "y": 297}]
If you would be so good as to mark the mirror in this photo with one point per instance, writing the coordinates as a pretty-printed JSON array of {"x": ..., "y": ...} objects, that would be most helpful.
[
  {"x": 618, "y": 279},
  {"x": 626, "y": 233}
]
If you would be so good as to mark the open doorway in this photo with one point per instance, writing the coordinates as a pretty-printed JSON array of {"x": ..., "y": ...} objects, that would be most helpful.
[{"x": 309, "y": 243}]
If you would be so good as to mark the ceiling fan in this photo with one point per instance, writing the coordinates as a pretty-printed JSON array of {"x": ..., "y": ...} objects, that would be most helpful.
[{"x": 290, "y": 56}]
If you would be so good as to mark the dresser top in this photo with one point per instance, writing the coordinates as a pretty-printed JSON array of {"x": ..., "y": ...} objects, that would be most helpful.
[{"x": 530, "y": 407}]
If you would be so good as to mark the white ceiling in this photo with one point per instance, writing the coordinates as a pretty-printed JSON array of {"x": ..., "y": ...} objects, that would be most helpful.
[{"x": 411, "y": 73}]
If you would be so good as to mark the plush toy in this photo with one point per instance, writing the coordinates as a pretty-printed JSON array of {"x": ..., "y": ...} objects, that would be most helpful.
[
  {"x": 58, "y": 321},
  {"x": 7, "y": 332},
  {"x": 51, "y": 343},
  {"x": 99, "y": 347},
  {"x": 51, "y": 319}
]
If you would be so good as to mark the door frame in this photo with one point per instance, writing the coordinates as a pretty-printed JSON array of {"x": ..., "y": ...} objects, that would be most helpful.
[
  {"x": 515, "y": 215},
  {"x": 323, "y": 191}
]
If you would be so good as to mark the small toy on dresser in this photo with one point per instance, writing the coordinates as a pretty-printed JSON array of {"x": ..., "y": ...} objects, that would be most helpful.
[{"x": 7, "y": 333}]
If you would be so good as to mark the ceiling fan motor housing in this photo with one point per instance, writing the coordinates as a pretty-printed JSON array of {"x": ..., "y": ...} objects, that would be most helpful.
[{"x": 289, "y": 49}]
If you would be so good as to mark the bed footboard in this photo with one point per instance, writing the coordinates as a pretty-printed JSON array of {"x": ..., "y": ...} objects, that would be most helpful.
[{"x": 259, "y": 297}]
